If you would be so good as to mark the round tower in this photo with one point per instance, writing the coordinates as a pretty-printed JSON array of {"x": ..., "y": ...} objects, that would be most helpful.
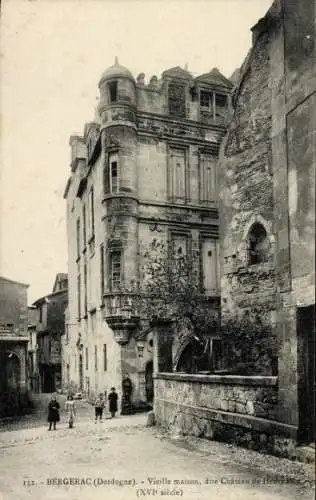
[
  {"x": 117, "y": 109},
  {"x": 117, "y": 96}
]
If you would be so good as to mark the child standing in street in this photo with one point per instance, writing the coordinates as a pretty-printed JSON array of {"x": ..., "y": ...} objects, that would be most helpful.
[
  {"x": 71, "y": 410},
  {"x": 99, "y": 407},
  {"x": 113, "y": 402},
  {"x": 53, "y": 413}
]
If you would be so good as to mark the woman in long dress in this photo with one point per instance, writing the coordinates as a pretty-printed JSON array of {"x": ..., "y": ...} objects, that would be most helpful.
[{"x": 71, "y": 410}]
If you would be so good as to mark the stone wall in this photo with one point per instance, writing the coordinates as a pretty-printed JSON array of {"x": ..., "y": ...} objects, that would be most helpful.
[
  {"x": 246, "y": 194},
  {"x": 234, "y": 409},
  {"x": 13, "y": 305},
  {"x": 267, "y": 175}
]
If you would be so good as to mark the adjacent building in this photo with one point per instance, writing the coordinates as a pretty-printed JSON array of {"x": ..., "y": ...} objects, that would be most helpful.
[
  {"x": 32, "y": 358},
  {"x": 145, "y": 168},
  {"x": 50, "y": 327},
  {"x": 13, "y": 344},
  {"x": 267, "y": 202}
]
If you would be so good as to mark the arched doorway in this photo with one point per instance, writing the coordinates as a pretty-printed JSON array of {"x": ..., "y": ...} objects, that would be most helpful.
[
  {"x": 149, "y": 383},
  {"x": 193, "y": 357}
]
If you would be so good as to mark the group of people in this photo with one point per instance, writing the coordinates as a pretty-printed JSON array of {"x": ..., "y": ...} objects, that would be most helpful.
[
  {"x": 70, "y": 408},
  {"x": 99, "y": 405}
]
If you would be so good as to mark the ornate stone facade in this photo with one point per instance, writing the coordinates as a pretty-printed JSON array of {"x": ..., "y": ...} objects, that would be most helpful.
[{"x": 145, "y": 168}]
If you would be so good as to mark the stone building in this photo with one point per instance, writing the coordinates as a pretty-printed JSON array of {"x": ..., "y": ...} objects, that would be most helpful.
[
  {"x": 32, "y": 349},
  {"x": 145, "y": 168},
  {"x": 267, "y": 202},
  {"x": 13, "y": 344},
  {"x": 50, "y": 326}
]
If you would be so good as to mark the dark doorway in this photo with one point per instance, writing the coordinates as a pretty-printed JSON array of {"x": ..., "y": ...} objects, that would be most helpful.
[
  {"x": 10, "y": 377},
  {"x": 149, "y": 383},
  {"x": 306, "y": 371},
  {"x": 47, "y": 374}
]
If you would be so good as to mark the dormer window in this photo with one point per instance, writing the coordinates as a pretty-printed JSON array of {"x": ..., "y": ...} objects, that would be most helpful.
[
  {"x": 176, "y": 99},
  {"x": 113, "y": 91},
  {"x": 213, "y": 106},
  {"x": 220, "y": 100},
  {"x": 206, "y": 99}
]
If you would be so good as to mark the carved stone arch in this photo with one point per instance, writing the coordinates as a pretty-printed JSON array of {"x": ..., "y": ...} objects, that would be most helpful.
[
  {"x": 182, "y": 346},
  {"x": 257, "y": 219}
]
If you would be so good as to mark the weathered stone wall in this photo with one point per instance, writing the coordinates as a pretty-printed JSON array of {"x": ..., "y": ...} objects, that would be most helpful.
[
  {"x": 246, "y": 194},
  {"x": 267, "y": 174},
  {"x": 226, "y": 408},
  {"x": 13, "y": 305},
  {"x": 140, "y": 129},
  {"x": 254, "y": 396}
]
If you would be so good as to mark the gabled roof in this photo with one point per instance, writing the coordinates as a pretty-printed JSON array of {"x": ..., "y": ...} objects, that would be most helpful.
[
  {"x": 59, "y": 277},
  {"x": 215, "y": 77},
  {"x": 177, "y": 72}
]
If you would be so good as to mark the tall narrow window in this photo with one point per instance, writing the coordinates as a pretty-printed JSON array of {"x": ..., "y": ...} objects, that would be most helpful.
[
  {"x": 102, "y": 270},
  {"x": 210, "y": 266},
  {"x": 41, "y": 314},
  {"x": 105, "y": 361},
  {"x": 179, "y": 249},
  {"x": 79, "y": 295},
  {"x": 85, "y": 289},
  {"x": 96, "y": 358},
  {"x": 113, "y": 91},
  {"x": 179, "y": 245},
  {"x": 207, "y": 179},
  {"x": 115, "y": 270},
  {"x": 176, "y": 99},
  {"x": 177, "y": 174},
  {"x": 78, "y": 236},
  {"x": 84, "y": 224},
  {"x": 221, "y": 103},
  {"x": 87, "y": 359},
  {"x": 114, "y": 180},
  {"x": 91, "y": 209},
  {"x": 206, "y": 100}
]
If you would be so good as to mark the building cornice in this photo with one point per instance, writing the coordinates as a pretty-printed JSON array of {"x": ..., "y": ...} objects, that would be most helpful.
[{"x": 182, "y": 121}]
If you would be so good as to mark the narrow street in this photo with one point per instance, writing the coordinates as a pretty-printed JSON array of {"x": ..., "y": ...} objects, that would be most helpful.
[{"x": 122, "y": 459}]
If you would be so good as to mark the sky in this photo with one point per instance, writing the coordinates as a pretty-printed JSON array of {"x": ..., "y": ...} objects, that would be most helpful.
[{"x": 53, "y": 54}]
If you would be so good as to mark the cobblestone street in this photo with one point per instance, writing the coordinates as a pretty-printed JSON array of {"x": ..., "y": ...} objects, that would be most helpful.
[{"x": 121, "y": 459}]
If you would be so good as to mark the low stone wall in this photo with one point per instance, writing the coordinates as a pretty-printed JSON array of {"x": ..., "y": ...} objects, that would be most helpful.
[{"x": 229, "y": 408}]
